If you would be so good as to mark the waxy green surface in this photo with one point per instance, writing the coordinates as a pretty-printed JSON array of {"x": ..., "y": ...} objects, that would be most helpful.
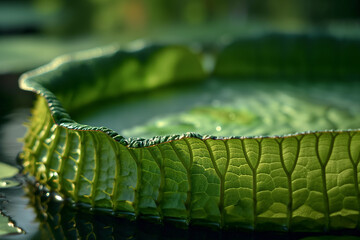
[
  {"x": 222, "y": 107},
  {"x": 300, "y": 182}
]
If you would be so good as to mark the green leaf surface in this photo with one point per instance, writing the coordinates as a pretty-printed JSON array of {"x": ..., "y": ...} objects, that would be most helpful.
[
  {"x": 7, "y": 171},
  {"x": 311, "y": 56},
  {"x": 300, "y": 182},
  {"x": 232, "y": 108}
]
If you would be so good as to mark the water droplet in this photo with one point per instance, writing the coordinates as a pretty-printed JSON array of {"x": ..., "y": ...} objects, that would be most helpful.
[{"x": 218, "y": 128}]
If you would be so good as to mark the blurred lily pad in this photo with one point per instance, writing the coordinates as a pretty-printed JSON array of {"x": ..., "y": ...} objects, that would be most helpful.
[
  {"x": 7, "y": 171},
  {"x": 18, "y": 54},
  {"x": 7, "y": 227}
]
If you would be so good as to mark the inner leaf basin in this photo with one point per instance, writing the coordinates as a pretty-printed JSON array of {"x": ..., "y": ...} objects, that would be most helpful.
[
  {"x": 222, "y": 107},
  {"x": 157, "y": 154}
]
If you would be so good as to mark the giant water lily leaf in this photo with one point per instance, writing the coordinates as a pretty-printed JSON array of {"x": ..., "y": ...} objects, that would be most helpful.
[{"x": 303, "y": 181}]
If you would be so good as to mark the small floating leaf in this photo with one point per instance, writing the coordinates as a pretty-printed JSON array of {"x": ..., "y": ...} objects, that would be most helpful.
[
  {"x": 7, "y": 227},
  {"x": 7, "y": 171}
]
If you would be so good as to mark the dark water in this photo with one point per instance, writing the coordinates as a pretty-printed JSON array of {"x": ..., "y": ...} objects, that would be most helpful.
[{"x": 13, "y": 201}]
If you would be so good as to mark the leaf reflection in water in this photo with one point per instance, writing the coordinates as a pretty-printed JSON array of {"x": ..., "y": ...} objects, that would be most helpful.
[{"x": 63, "y": 220}]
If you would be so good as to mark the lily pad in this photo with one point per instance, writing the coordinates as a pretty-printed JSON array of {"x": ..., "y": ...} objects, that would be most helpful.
[
  {"x": 7, "y": 171},
  {"x": 277, "y": 180},
  {"x": 7, "y": 227}
]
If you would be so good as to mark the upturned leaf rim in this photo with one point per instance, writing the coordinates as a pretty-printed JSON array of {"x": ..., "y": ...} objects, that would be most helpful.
[{"x": 31, "y": 81}]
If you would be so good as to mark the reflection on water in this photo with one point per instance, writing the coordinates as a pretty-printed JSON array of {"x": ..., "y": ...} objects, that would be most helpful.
[
  {"x": 11, "y": 132},
  {"x": 13, "y": 201},
  {"x": 60, "y": 220}
]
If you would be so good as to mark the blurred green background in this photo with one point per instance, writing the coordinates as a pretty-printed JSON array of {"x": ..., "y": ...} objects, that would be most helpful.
[{"x": 32, "y": 32}]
